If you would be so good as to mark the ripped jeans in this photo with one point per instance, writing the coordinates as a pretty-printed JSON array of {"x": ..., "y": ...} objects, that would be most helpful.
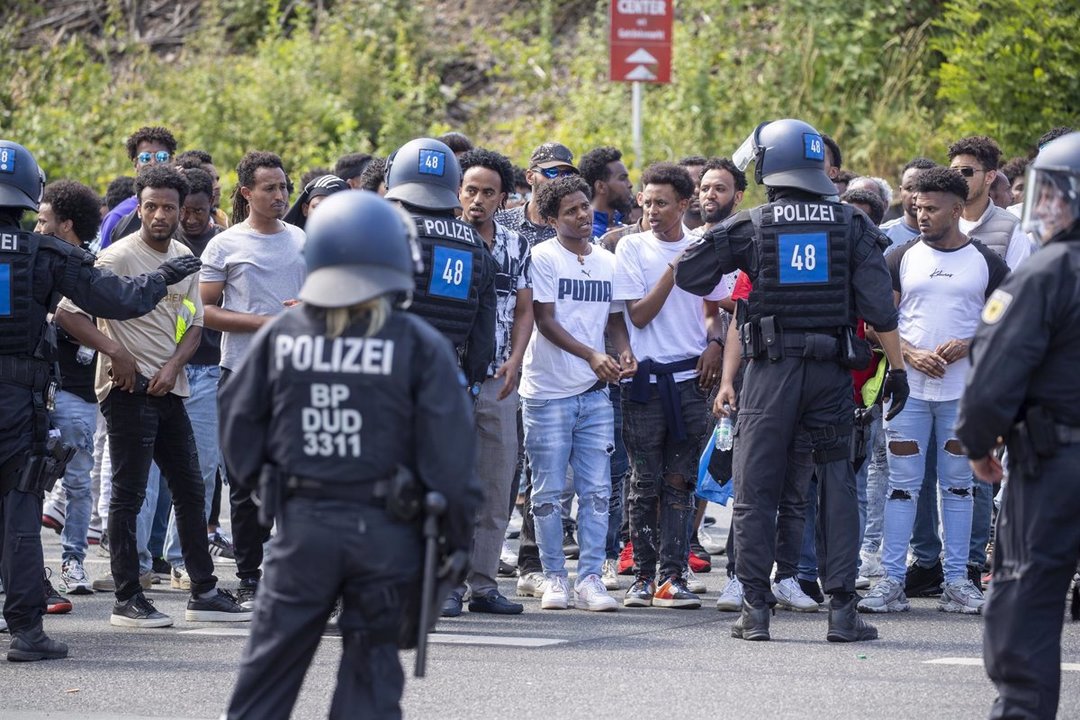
[
  {"x": 573, "y": 432},
  {"x": 907, "y": 436}
]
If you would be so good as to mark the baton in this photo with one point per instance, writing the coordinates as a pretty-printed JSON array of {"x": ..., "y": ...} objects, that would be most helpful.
[{"x": 434, "y": 507}]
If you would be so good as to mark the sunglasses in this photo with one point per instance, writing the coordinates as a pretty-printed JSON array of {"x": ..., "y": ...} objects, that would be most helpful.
[
  {"x": 161, "y": 156},
  {"x": 969, "y": 171},
  {"x": 554, "y": 172}
]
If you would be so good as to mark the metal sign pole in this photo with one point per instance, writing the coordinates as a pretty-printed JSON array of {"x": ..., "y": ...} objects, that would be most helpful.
[{"x": 635, "y": 119}]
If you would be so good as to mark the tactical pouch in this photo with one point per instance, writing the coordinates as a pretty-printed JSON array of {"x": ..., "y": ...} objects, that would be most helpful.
[
  {"x": 1041, "y": 432},
  {"x": 770, "y": 335},
  {"x": 269, "y": 495},
  {"x": 1022, "y": 452},
  {"x": 855, "y": 352},
  {"x": 750, "y": 338},
  {"x": 406, "y": 497}
]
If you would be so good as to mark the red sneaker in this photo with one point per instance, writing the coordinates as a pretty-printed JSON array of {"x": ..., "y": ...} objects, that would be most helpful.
[
  {"x": 697, "y": 564},
  {"x": 626, "y": 560}
]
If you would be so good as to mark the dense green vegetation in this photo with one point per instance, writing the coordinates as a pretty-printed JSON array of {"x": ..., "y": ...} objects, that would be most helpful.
[{"x": 889, "y": 79}]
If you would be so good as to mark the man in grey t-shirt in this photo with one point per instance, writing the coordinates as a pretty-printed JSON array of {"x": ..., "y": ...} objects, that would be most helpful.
[{"x": 251, "y": 272}]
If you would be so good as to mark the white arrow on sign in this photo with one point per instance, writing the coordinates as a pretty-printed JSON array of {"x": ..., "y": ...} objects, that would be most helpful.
[
  {"x": 641, "y": 56},
  {"x": 641, "y": 73}
]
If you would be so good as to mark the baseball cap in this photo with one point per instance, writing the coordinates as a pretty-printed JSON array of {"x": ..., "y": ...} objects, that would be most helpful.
[{"x": 551, "y": 155}]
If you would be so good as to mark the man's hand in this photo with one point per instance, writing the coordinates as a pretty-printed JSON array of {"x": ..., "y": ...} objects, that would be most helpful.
[
  {"x": 926, "y": 362},
  {"x": 164, "y": 380},
  {"x": 725, "y": 397},
  {"x": 123, "y": 370},
  {"x": 952, "y": 350},
  {"x": 988, "y": 469},
  {"x": 176, "y": 269},
  {"x": 895, "y": 391},
  {"x": 709, "y": 364},
  {"x": 509, "y": 371},
  {"x": 605, "y": 367},
  {"x": 627, "y": 364}
]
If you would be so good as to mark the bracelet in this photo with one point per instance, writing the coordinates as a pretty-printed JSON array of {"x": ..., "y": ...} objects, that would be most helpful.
[{"x": 672, "y": 266}]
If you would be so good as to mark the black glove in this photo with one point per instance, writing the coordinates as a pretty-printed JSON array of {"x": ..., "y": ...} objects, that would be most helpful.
[
  {"x": 896, "y": 391},
  {"x": 176, "y": 269}
]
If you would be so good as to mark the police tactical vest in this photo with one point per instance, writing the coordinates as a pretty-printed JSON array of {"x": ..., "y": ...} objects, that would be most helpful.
[
  {"x": 996, "y": 231},
  {"x": 22, "y": 319},
  {"x": 804, "y": 276},
  {"x": 448, "y": 288}
]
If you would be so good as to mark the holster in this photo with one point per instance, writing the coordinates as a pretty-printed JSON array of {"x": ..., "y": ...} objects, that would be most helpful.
[
  {"x": 405, "y": 500},
  {"x": 269, "y": 495},
  {"x": 860, "y": 438},
  {"x": 41, "y": 472},
  {"x": 1033, "y": 439}
]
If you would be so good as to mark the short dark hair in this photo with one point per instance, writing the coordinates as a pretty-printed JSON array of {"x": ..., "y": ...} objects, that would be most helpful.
[
  {"x": 519, "y": 178},
  {"x": 665, "y": 173},
  {"x": 374, "y": 174},
  {"x": 150, "y": 134},
  {"x": 845, "y": 176},
  {"x": 983, "y": 148},
  {"x": 942, "y": 179},
  {"x": 550, "y": 195},
  {"x": 834, "y": 149},
  {"x": 245, "y": 178},
  {"x": 199, "y": 181},
  {"x": 593, "y": 165},
  {"x": 1051, "y": 135},
  {"x": 457, "y": 142},
  {"x": 723, "y": 163},
  {"x": 119, "y": 189},
  {"x": 160, "y": 177},
  {"x": 1015, "y": 168},
  {"x": 349, "y": 166},
  {"x": 868, "y": 198},
  {"x": 920, "y": 163},
  {"x": 74, "y": 201},
  {"x": 482, "y": 157},
  {"x": 194, "y": 158}
]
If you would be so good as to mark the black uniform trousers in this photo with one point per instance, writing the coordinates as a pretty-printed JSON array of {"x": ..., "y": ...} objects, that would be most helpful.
[
  {"x": 21, "y": 561},
  {"x": 1035, "y": 553},
  {"x": 780, "y": 399},
  {"x": 325, "y": 549}
]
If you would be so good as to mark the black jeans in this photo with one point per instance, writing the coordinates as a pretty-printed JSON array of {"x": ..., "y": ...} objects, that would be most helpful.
[
  {"x": 144, "y": 429},
  {"x": 248, "y": 534}
]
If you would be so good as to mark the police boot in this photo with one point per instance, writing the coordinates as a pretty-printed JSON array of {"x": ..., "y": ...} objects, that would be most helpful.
[
  {"x": 35, "y": 645},
  {"x": 753, "y": 623},
  {"x": 846, "y": 625}
]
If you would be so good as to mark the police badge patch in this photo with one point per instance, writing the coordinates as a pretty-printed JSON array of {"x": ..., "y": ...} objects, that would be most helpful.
[{"x": 996, "y": 306}]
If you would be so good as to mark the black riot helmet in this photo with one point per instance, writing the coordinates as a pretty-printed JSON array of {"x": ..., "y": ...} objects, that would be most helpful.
[
  {"x": 21, "y": 180},
  {"x": 359, "y": 247},
  {"x": 424, "y": 173},
  {"x": 787, "y": 153},
  {"x": 1052, "y": 192}
]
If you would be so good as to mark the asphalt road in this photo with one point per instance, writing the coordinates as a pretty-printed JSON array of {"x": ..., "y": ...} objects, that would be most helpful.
[{"x": 542, "y": 664}]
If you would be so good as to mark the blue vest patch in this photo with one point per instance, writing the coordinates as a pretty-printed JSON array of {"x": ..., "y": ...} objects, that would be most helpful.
[
  {"x": 804, "y": 258},
  {"x": 451, "y": 273},
  {"x": 5, "y": 290}
]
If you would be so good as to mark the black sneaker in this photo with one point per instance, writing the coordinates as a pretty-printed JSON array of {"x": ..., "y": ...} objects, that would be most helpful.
[
  {"x": 974, "y": 573},
  {"x": 812, "y": 589},
  {"x": 28, "y": 647},
  {"x": 219, "y": 607},
  {"x": 924, "y": 582},
  {"x": 569, "y": 545},
  {"x": 137, "y": 612},
  {"x": 220, "y": 546},
  {"x": 161, "y": 567},
  {"x": 495, "y": 604},
  {"x": 640, "y": 593},
  {"x": 55, "y": 603},
  {"x": 245, "y": 594}
]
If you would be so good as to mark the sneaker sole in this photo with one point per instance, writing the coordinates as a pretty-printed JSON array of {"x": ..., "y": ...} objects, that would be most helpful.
[
  {"x": 958, "y": 609},
  {"x": 59, "y": 608},
  {"x": 527, "y": 593},
  {"x": 33, "y": 656},
  {"x": 759, "y": 636},
  {"x": 52, "y": 524},
  {"x": 893, "y": 607},
  {"x": 554, "y": 605},
  {"x": 795, "y": 608},
  {"x": 611, "y": 583},
  {"x": 79, "y": 590},
  {"x": 698, "y": 589},
  {"x": 218, "y": 616},
  {"x": 725, "y": 607},
  {"x": 122, "y": 621},
  {"x": 637, "y": 602},
  {"x": 678, "y": 604},
  {"x": 612, "y": 607}
]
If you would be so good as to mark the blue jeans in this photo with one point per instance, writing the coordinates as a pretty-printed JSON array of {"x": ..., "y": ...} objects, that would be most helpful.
[
  {"x": 808, "y": 565},
  {"x": 201, "y": 408},
  {"x": 573, "y": 432},
  {"x": 907, "y": 466},
  {"x": 877, "y": 481},
  {"x": 76, "y": 419}
]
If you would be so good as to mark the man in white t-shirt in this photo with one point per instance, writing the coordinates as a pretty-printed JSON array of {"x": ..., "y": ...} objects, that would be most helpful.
[
  {"x": 565, "y": 408},
  {"x": 665, "y": 416},
  {"x": 941, "y": 281}
]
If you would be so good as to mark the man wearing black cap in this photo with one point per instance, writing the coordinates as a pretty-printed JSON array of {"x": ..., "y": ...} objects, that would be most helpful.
[
  {"x": 313, "y": 193},
  {"x": 547, "y": 162}
]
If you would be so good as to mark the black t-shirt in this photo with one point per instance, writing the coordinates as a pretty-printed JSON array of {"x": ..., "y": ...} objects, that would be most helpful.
[
  {"x": 209, "y": 350},
  {"x": 75, "y": 378}
]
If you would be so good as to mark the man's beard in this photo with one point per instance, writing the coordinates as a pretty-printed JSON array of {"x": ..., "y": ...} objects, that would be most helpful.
[{"x": 721, "y": 213}]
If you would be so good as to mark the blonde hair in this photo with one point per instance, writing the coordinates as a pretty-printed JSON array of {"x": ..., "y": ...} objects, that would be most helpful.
[{"x": 374, "y": 311}]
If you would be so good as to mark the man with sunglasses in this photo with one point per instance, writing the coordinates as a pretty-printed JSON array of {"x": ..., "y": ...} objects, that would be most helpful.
[
  {"x": 145, "y": 146},
  {"x": 548, "y": 161}
]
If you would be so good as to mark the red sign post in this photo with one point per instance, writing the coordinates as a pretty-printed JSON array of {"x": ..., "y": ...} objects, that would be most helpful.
[{"x": 640, "y": 41}]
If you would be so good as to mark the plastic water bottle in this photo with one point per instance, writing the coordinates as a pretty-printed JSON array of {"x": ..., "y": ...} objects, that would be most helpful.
[
  {"x": 724, "y": 438},
  {"x": 85, "y": 355}
]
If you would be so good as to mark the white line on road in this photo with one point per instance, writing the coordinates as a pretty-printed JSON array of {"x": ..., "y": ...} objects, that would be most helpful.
[
  {"x": 434, "y": 639},
  {"x": 1073, "y": 667}
]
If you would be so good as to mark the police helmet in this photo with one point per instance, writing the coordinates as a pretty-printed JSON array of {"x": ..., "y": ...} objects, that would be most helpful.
[
  {"x": 424, "y": 173},
  {"x": 787, "y": 153},
  {"x": 21, "y": 180},
  {"x": 1052, "y": 192},
  {"x": 359, "y": 247}
]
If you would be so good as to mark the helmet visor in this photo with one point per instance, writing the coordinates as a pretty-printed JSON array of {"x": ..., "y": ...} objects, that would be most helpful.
[{"x": 1051, "y": 203}]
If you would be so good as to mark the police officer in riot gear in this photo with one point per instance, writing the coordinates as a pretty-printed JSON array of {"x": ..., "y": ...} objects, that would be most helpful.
[
  {"x": 815, "y": 266},
  {"x": 342, "y": 405},
  {"x": 455, "y": 290},
  {"x": 35, "y": 270},
  {"x": 1023, "y": 388}
]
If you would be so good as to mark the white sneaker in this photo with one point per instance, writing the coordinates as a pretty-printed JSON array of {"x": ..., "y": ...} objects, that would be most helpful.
[
  {"x": 870, "y": 565},
  {"x": 556, "y": 594},
  {"x": 961, "y": 596},
  {"x": 179, "y": 578},
  {"x": 592, "y": 595},
  {"x": 887, "y": 596},
  {"x": 531, "y": 585},
  {"x": 508, "y": 555},
  {"x": 693, "y": 583},
  {"x": 609, "y": 574},
  {"x": 791, "y": 597},
  {"x": 711, "y": 539},
  {"x": 73, "y": 578},
  {"x": 731, "y": 600}
]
